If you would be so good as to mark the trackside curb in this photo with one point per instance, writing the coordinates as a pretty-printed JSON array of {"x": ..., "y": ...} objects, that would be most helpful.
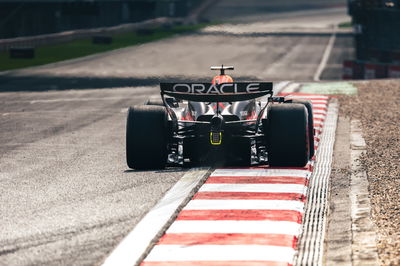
[
  {"x": 136, "y": 244},
  {"x": 311, "y": 241},
  {"x": 242, "y": 216}
]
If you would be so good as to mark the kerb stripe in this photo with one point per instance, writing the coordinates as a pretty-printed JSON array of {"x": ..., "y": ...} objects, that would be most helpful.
[
  {"x": 253, "y": 215},
  {"x": 257, "y": 180},
  {"x": 243, "y": 227},
  {"x": 271, "y": 188},
  {"x": 249, "y": 195},
  {"x": 245, "y": 204},
  {"x": 228, "y": 239},
  {"x": 221, "y": 252}
]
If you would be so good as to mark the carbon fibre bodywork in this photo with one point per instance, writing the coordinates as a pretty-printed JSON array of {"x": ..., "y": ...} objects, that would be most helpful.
[
  {"x": 219, "y": 123},
  {"x": 237, "y": 125}
]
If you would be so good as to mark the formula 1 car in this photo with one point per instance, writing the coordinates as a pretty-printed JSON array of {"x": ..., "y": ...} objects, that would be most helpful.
[{"x": 219, "y": 123}]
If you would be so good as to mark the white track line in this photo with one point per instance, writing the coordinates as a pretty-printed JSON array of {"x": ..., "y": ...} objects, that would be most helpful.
[
  {"x": 292, "y": 205},
  {"x": 325, "y": 56},
  {"x": 261, "y": 172},
  {"x": 136, "y": 243},
  {"x": 266, "y": 188},
  {"x": 221, "y": 253},
  {"x": 321, "y": 112},
  {"x": 235, "y": 227},
  {"x": 319, "y": 105},
  {"x": 323, "y": 116}
]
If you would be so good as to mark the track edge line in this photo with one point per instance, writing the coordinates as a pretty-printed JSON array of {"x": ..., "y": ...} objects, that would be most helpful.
[{"x": 137, "y": 244}]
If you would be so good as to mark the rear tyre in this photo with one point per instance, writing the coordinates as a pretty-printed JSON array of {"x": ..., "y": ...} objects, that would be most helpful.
[
  {"x": 286, "y": 131},
  {"x": 146, "y": 137},
  {"x": 308, "y": 105}
]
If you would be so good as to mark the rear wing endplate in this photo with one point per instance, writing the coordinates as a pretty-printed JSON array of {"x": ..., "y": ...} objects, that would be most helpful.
[{"x": 226, "y": 92}]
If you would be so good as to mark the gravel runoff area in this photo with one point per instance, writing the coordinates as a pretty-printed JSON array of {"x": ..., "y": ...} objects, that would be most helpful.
[{"x": 377, "y": 106}]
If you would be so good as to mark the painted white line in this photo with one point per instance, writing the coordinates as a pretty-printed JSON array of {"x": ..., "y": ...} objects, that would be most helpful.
[
  {"x": 319, "y": 116},
  {"x": 262, "y": 172},
  {"x": 267, "y": 188},
  {"x": 292, "y": 205},
  {"x": 320, "y": 105},
  {"x": 320, "y": 112},
  {"x": 318, "y": 101},
  {"x": 325, "y": 56},
  {"x": 235, "y": 227},
  {"x": 221, "y": 253},
  {"x": 136, "y": 243}
]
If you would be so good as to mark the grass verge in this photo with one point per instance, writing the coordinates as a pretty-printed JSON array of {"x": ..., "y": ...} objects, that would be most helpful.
[
  {"x": 345, "y": 24},
  {"x": 59, "y": 52}
]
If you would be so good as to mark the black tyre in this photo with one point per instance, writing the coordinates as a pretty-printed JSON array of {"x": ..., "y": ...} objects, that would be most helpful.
[
  {"x": 286, "y": 131},
  {"x": 308, "y": 105},
  {"x": 154, "y": 101},
  {"x": 146, "y": 137}
]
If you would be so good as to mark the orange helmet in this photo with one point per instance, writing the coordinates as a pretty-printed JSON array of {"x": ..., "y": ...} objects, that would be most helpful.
[{"x": 222, "y": 78}]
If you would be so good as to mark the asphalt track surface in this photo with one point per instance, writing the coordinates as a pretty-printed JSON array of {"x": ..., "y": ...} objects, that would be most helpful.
[{"x": 67, "y": 196}]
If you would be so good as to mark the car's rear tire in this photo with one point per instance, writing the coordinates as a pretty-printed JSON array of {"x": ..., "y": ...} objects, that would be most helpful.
[
  {"x": 308, "y": 105},
  {"x": 146, "y": 137},
  {"x": 286, "y": 132}
]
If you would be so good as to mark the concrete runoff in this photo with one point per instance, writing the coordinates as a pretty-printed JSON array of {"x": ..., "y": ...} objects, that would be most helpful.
[
  {"x": 338, "y": 249},
  {"x": 364, "y": 250},
  {"x": 350, "y": 238}
]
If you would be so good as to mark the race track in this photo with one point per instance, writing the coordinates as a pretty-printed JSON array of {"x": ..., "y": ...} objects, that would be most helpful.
[{"x": 67, "y": 195}]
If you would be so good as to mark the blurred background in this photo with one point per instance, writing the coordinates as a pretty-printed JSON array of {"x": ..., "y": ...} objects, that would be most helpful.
[
  {"x": 28, "y": 25},
  {"x": 33, "y": 17}
]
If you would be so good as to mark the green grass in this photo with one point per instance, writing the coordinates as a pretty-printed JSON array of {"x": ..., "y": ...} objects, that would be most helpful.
[
  {"x": 55, "y": 53},
  {"x": 331, "y": 88},
  {"x": 345, "y": 24}
]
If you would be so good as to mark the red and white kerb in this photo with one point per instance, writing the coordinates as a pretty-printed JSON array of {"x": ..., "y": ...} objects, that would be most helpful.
[{"x": 243, "y": 216}]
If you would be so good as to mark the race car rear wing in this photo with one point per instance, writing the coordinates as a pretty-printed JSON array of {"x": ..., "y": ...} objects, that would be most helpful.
[{"x": 226, "y": 92}]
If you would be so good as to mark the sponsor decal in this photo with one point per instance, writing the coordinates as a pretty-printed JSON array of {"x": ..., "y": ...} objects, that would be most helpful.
[{"x": 203, "y": 88}]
